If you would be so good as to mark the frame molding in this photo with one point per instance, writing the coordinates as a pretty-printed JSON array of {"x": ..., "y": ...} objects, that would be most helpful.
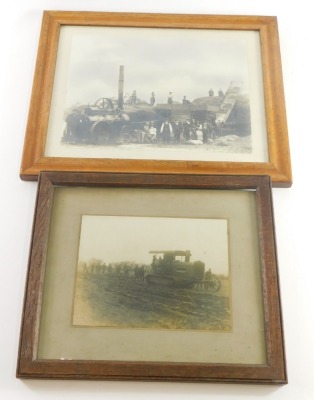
[
  {"x": 29, "y": 366},
  {"x": 34, "y": 161}
]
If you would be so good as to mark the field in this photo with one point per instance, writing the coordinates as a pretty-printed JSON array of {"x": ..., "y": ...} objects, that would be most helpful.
[{"x": 102, "y": 300}]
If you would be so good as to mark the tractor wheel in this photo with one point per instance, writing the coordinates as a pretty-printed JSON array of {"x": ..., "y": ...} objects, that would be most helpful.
[
  {"x": 214, "y": 284},
  {"x": 101, "y": 133}
]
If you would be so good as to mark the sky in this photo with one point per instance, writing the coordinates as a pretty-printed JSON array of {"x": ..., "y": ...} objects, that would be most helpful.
[
  {"x": 185, "y": 62},
  {"x": 117, "y": 239}
]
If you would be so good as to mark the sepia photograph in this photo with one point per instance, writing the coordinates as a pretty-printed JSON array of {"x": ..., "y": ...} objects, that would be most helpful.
[
  {"x": 157, "y": 273},
  {"x": 151, "y": 276}
]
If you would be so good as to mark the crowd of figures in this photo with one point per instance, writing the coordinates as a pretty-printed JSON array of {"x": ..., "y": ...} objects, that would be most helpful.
[
  {"x": 134, "y": 100},
  {"x": 130, "y": 270},
  {"x": 177, "y": 132},
  {"x": 122, "y": 270}
]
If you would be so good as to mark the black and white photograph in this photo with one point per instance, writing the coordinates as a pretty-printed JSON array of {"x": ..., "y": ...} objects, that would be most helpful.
[
  {"x": 92, "y": 93},
  {"x": 153, "y": 273},
  {"x": 164, "y": 94}
]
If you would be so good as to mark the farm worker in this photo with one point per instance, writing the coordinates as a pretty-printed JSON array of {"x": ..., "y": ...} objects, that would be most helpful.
[
  {"x": 152, "y": 99},
  {"x": 166, "y": 131}
]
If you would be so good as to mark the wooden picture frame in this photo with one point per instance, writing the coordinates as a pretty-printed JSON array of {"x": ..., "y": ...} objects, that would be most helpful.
[
  {"x": 232, "y": 113},
  {"x": 230, "y": 331}
]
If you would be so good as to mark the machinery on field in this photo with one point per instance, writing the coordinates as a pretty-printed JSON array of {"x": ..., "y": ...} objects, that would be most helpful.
[
  {"x": 108, "y": 121},
  {"x": 174, "y": 269},
  {"x": 122, "y": 120},
  {"x": 225, "y": 114}
]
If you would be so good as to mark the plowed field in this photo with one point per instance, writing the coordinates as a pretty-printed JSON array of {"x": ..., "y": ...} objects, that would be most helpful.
[{"x": 101, "y": 300}]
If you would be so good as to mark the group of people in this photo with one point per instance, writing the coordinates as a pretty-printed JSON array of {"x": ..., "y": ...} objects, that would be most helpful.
[
  {"x": 211, "y": 93},
  {"x": 133, "y": 100},
  {"x": 179, "y": 132},
  {"x": 121, "y": 270},
  {"x": 152, "y": 100}
]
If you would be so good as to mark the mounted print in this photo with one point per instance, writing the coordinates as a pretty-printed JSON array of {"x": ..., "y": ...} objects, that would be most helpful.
[
  {"x": 134, "y": 284},
  {"x": 153, "y": 277},
  {"x": 158, "y": 93}
]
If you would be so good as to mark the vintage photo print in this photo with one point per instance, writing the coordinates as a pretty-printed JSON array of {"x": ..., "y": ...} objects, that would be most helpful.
[
  {"x": 164, "y": 94},
  {"x": 153, "y": 273}
]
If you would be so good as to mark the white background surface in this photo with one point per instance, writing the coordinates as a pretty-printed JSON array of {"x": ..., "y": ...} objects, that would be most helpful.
[{"x": 20, "y": 26}]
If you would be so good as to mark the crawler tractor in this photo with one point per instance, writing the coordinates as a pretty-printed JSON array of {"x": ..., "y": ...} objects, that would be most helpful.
[{"x": 174, "y": 269}]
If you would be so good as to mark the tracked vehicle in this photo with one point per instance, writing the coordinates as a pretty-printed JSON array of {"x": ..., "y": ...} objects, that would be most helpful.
[{"x": 174, "y": 269}]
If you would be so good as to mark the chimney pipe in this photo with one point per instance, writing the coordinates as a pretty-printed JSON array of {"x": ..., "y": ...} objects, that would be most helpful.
[{"x": 121, "y": 84}]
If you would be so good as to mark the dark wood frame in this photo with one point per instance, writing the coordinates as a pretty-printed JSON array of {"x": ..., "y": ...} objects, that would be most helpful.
[
  {"x": 278, "y": 167},
  {"x": 29, "y": 366}
]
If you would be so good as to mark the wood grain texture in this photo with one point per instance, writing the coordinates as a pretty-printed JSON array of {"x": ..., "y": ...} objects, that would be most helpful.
[
  {"x": 273, "y": 371},
  {"x": 279, "y": 165}
]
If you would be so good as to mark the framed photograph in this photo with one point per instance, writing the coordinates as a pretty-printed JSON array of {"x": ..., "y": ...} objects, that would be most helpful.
[
  {"x": 153, "y": 277},
  {"x": 144, "y": 93}
]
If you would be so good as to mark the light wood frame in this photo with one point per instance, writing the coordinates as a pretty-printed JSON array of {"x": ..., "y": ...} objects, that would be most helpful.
[
  {"x": 278, "y": 166},
  {"x": 273, "y": 370}
]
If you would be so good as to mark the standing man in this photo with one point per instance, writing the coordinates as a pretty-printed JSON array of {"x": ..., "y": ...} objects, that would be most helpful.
[
  {"x": 170, "y": 99},
  {"x": 166, "y": 132},
  {"x": 133, "y": 98},
  {"x": 177, "y": 131},
  {"x": 185, "y": 100},
  {"x": 152, "y": 99}
]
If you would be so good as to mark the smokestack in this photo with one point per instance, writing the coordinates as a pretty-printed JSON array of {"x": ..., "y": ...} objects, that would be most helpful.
[{"x": 121, "y": 84}]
